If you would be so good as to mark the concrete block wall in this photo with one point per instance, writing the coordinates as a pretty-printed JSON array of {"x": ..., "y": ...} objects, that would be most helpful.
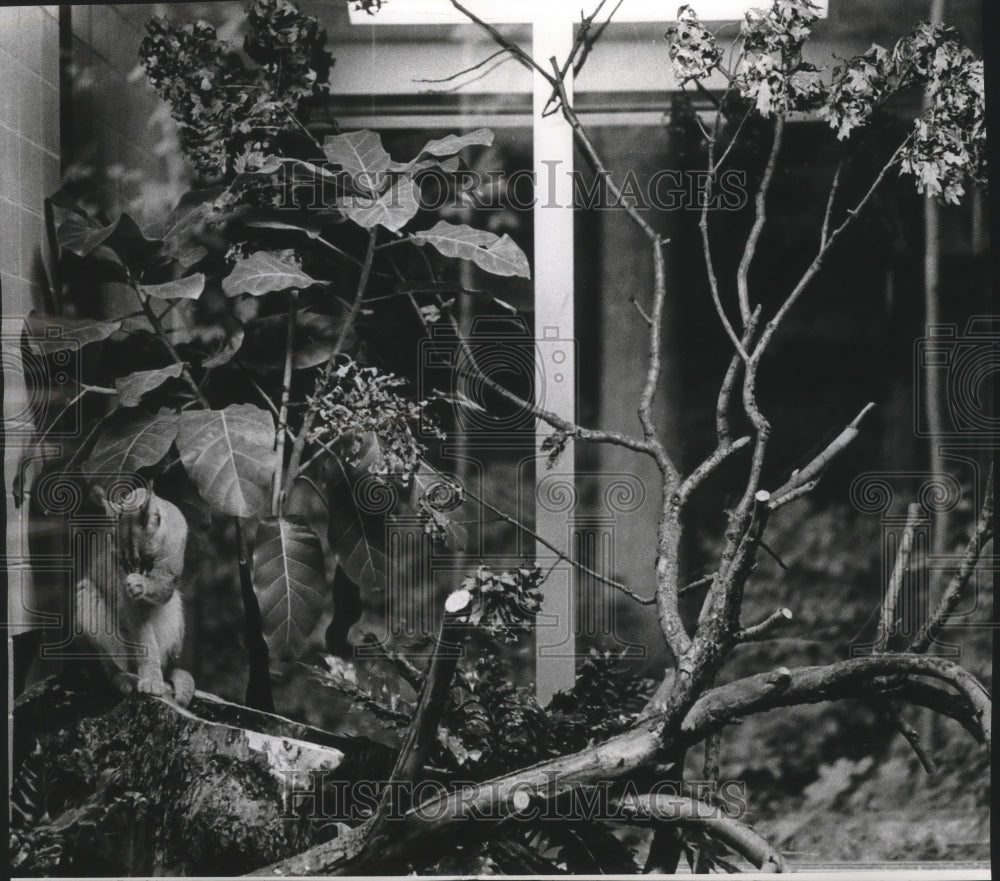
[
  {"x": 101, "y": 120},
  {"x": 29, "y": 170},
  {"x": 29, "y": 145}
]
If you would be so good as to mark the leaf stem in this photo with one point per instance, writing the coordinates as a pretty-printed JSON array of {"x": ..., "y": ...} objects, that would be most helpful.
[
  {"x": 286, "y": 382},
  {"x": 298, "y": 448}
]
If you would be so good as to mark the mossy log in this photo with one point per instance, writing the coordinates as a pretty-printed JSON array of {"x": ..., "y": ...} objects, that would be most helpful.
[{"x": 105, "y": 785}]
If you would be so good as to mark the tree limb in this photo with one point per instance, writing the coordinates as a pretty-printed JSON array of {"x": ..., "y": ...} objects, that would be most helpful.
[
  {"x": 887, "y": 613},
  {"x": 422, "y": 731},
  {"x": 298, "y": 448},
  {"x": 760, "y": 204},
  {"x": 956, "y": 587},
  {"x": 286, "y": 384},
  {"x": 852, "y": 678},
  {"x": 737, "y": 835},
  {"x": 812, "y": 471}
]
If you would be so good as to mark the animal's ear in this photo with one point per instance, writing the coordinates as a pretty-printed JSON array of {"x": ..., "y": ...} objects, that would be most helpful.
[
  {"x": 138, "y": 502},
  {"x": 98, "y": 494}
]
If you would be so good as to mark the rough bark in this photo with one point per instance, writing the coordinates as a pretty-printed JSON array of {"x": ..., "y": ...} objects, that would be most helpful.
[{"x": 138, "y": 786}]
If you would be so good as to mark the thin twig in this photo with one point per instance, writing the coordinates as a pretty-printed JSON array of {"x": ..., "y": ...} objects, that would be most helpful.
[
  {"x": 286, "y": 385},
  {"x": 760, "y": 204},
  {"x": 586, "y": 570},
  {"x": 501, "y": 40},
  {"x": 981, "y": 536},
  {"x": 706, "y": 250},
  {"x": 757, "y": 632},
  {"x": 433, "y": 697},
  {"x": 887, "y": 613},
  {"x": 165, "y": 340},
  {"x": 825, "y": 234},
  {"x": 812, "y": 471},
  {"x": 307, "y": 423},
  {"x": 455, "y": 76},
  {"x": 413, "y": 677},
  {"x": 817, "y": 261},
  {"x": 912, "y": 737},
  {"x": 739, "y": 128},
  {"x": 591, "y": 40}
]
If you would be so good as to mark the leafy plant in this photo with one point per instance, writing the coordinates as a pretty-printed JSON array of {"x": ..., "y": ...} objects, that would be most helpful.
[{"x": 294, "y": 245}]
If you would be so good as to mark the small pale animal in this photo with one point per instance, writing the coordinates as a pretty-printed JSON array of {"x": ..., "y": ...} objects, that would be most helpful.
[{"x": 130, "y": 607}]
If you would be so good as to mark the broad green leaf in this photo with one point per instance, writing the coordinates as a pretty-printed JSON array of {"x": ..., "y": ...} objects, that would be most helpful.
[
  {"x": 311, "y": 230},
  {"x": 358, "y": 153},
  {"x": 496, "y": 254},
  {"x": 78, "y": 234},
  {"x": 446, "y": 146},
  {"x": 316, "y": 338},
  {"x": 451, "y": 144},
  {"x": 130, "y": 441},
  {"x": 262, "y": 273},
  {"x": 131, "y": 388},
  {"x": 227, "y": 340},
  {"x": 131, "y": 244},
  {"x": 392, "y": 209},
  {"x": 357, "y": 537},
  {"x": 289, "y": 577},
  {"x": 188, "y": 288},
  {"x": 229, "y": 455},
  {"x": 185, "y": 224},
  {"x": 49, "y": 333}
]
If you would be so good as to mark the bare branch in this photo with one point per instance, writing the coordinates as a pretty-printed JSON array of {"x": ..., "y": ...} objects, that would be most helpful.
[
  {"x": 855, "y": 677},
  {"x": 887, "y": 614},
  {"x": 421, "y": 734},
  {"x": 455, "y": 76},
  {"x": 513, "y": 521},
  {"x": 286, "y": 384},
  {"x": 413, "y": 677},
  {"x": 740, "y": 837},
  {"x": 912, "y": 737},
  {"x": 591, "y": 40},
  {"x": 713, "y": 280},
  {"x": 812, "y": 471},
  {"x": 431, "y": 827},
  {"x": 307, "y": 423},
  {"x": 718, "y": 456},
  {"x": 154, "y": 320},
  {"x": 817, "y": 262},
  {"x": 825, "y": 233},
  {"x": 956, "y": 587},
  {"x": 753, "y": 239},
  {"x": 757, "y": 632},
  {"x": 501, "y": 40}
]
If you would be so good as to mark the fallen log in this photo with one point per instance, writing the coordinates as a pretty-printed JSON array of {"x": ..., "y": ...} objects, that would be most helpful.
[{"x": 105, "y": 785}]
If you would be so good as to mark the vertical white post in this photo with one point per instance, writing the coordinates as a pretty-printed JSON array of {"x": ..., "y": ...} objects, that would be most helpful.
[{"x": 554, "y": 333}]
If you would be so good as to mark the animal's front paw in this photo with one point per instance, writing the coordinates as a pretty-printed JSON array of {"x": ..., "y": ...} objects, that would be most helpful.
[
  {"x": 149, "y": 685},
  {"x": 183, "y": 685},
  {"x": 136, "y": 586}
]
